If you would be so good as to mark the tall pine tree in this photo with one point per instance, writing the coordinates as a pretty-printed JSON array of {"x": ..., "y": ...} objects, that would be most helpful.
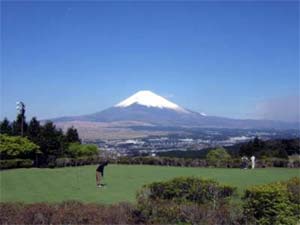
[
  {"x": 5, "y": 127},
  {"x": 34, "y": 131},
  {"x": 72, "y": 135},
  {"x": 51, "y": 144},
  {"x": 17, "y": 125}
]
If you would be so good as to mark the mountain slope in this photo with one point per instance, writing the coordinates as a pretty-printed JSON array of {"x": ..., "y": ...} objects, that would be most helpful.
[{"x": 150, "y": 108}]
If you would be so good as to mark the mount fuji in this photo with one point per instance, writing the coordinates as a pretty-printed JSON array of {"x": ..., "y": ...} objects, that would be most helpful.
[
  {"x": 143, "y": 106},
  {"x": 146, "y": 107}
]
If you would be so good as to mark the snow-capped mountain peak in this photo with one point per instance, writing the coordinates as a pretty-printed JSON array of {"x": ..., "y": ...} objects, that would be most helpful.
[{"x": 150, "y": 99}]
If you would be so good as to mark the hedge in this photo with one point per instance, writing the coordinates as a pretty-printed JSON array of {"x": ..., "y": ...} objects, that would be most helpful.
[
  {"x": 162, "y": 161},
  {"x": 15, "y": 163},
  {"x": 71, "y": 212}
]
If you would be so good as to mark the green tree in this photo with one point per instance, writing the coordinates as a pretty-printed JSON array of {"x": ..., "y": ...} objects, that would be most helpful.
[
  {"x": 18, "y": 124},
  {"x": 217, "y": 156},
  {"x": 5, "y": 127},
  {"x": 72, "y": 135},
  {"x": 282, "y": 153},
  {"x": 78, "y": 150},
  {"x": 17, "y": 147},
  {"x": 272, "y": 148},
  {"x": 34, "y": 130},
  {"x": 51, "y": 142}
]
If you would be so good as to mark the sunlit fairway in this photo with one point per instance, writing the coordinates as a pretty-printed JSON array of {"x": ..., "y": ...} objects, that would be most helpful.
[{"x": 122, "y": 181}]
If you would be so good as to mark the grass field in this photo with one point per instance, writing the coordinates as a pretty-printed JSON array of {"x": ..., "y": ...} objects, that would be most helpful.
[{"x": 78, "y": 183}]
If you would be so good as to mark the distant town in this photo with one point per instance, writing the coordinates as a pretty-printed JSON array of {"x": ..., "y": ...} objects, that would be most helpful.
[{"x": 196, "y": 141}]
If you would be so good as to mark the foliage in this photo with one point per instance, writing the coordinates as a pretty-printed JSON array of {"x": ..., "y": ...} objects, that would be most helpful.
[
  {"x": 77, "y": 150},
  {"x": 280, "y": 148},
  {"x": 34, "y": 130},
  {"x": 293, "y": 187},
  {"x": 79, "y": 161},
  {"x": 72, "y": 135},
  {"x": 217, "y": 156},
  {"x": 185, "y": 200},
  {"x": 189, "y": 189},
  {"x": 170, "y": 212},
  {"x": 5, "y": 127},
  {"x": 71, "y": 212},
  {"x": 280, "y": 162},
  {"x": 17, "y": 125},
  {"x": 16, "y": 147},
  {"x": 269, "y": 204},
  {"x": 51, "y": 142},
  {"x": 15, "y": 163},
  {"x": 74, "y": 212}
]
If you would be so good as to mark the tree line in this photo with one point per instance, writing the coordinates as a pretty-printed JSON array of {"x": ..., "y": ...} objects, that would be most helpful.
[
  {"x": 50, "y": 142},
  {"x": 279, "y": 148}
]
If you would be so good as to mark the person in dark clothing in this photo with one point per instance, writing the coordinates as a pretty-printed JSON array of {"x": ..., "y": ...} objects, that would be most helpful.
[{"x": 100, "y": 173}]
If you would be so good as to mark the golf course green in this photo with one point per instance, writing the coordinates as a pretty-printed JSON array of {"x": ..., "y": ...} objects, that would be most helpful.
[{"x": 122, "y": 181}]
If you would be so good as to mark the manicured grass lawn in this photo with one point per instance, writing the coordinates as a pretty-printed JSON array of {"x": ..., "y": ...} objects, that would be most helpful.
[{"x": 78, "y": 183}]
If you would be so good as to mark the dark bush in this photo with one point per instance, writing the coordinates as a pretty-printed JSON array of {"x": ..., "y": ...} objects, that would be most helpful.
[
  {"x": 187, "y": 189},
  {"x": 62, "y": 162},
  {"x": 15, "y": 163},
  {"x": 280, "y": 162},
  {"x": 8, "y": 164},
  {"x": 296, "y": 163},
  {"x": 234, "y": 163},
  {"x": 71, "y": 212},
  {"x": 25, "y": 163}
]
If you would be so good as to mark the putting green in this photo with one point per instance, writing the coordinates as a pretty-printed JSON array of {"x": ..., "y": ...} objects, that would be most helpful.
[{"x": 122, "y": 181}]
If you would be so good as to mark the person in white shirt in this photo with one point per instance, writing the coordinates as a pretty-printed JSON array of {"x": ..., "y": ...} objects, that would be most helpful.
[{"x": 253, "y": 162}]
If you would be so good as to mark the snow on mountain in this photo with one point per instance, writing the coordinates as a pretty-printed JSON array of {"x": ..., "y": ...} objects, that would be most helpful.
[
  {"x": 147, "y": 107},
  {"x": 150, "y": 99}
]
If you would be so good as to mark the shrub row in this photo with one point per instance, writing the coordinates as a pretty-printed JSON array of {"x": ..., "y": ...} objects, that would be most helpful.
[
  {"x": 170, "y": 212},
  {"x": 70, "y": 212},
  {"x": 162, "y": 161},
  {"x": 229, "y": 163},
  {"x": 80, "y": 161},
  {"x": 15, "y": 163}
]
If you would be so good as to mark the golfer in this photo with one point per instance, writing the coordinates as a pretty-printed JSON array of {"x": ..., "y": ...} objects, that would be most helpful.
[
  {"x": 100, "y": 173},
  {"x": 253, "y": 162},
  {"x": 244, "y": 162}
]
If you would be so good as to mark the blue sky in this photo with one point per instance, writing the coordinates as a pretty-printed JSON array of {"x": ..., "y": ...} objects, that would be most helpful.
[{"x": 226, "y": 59}]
